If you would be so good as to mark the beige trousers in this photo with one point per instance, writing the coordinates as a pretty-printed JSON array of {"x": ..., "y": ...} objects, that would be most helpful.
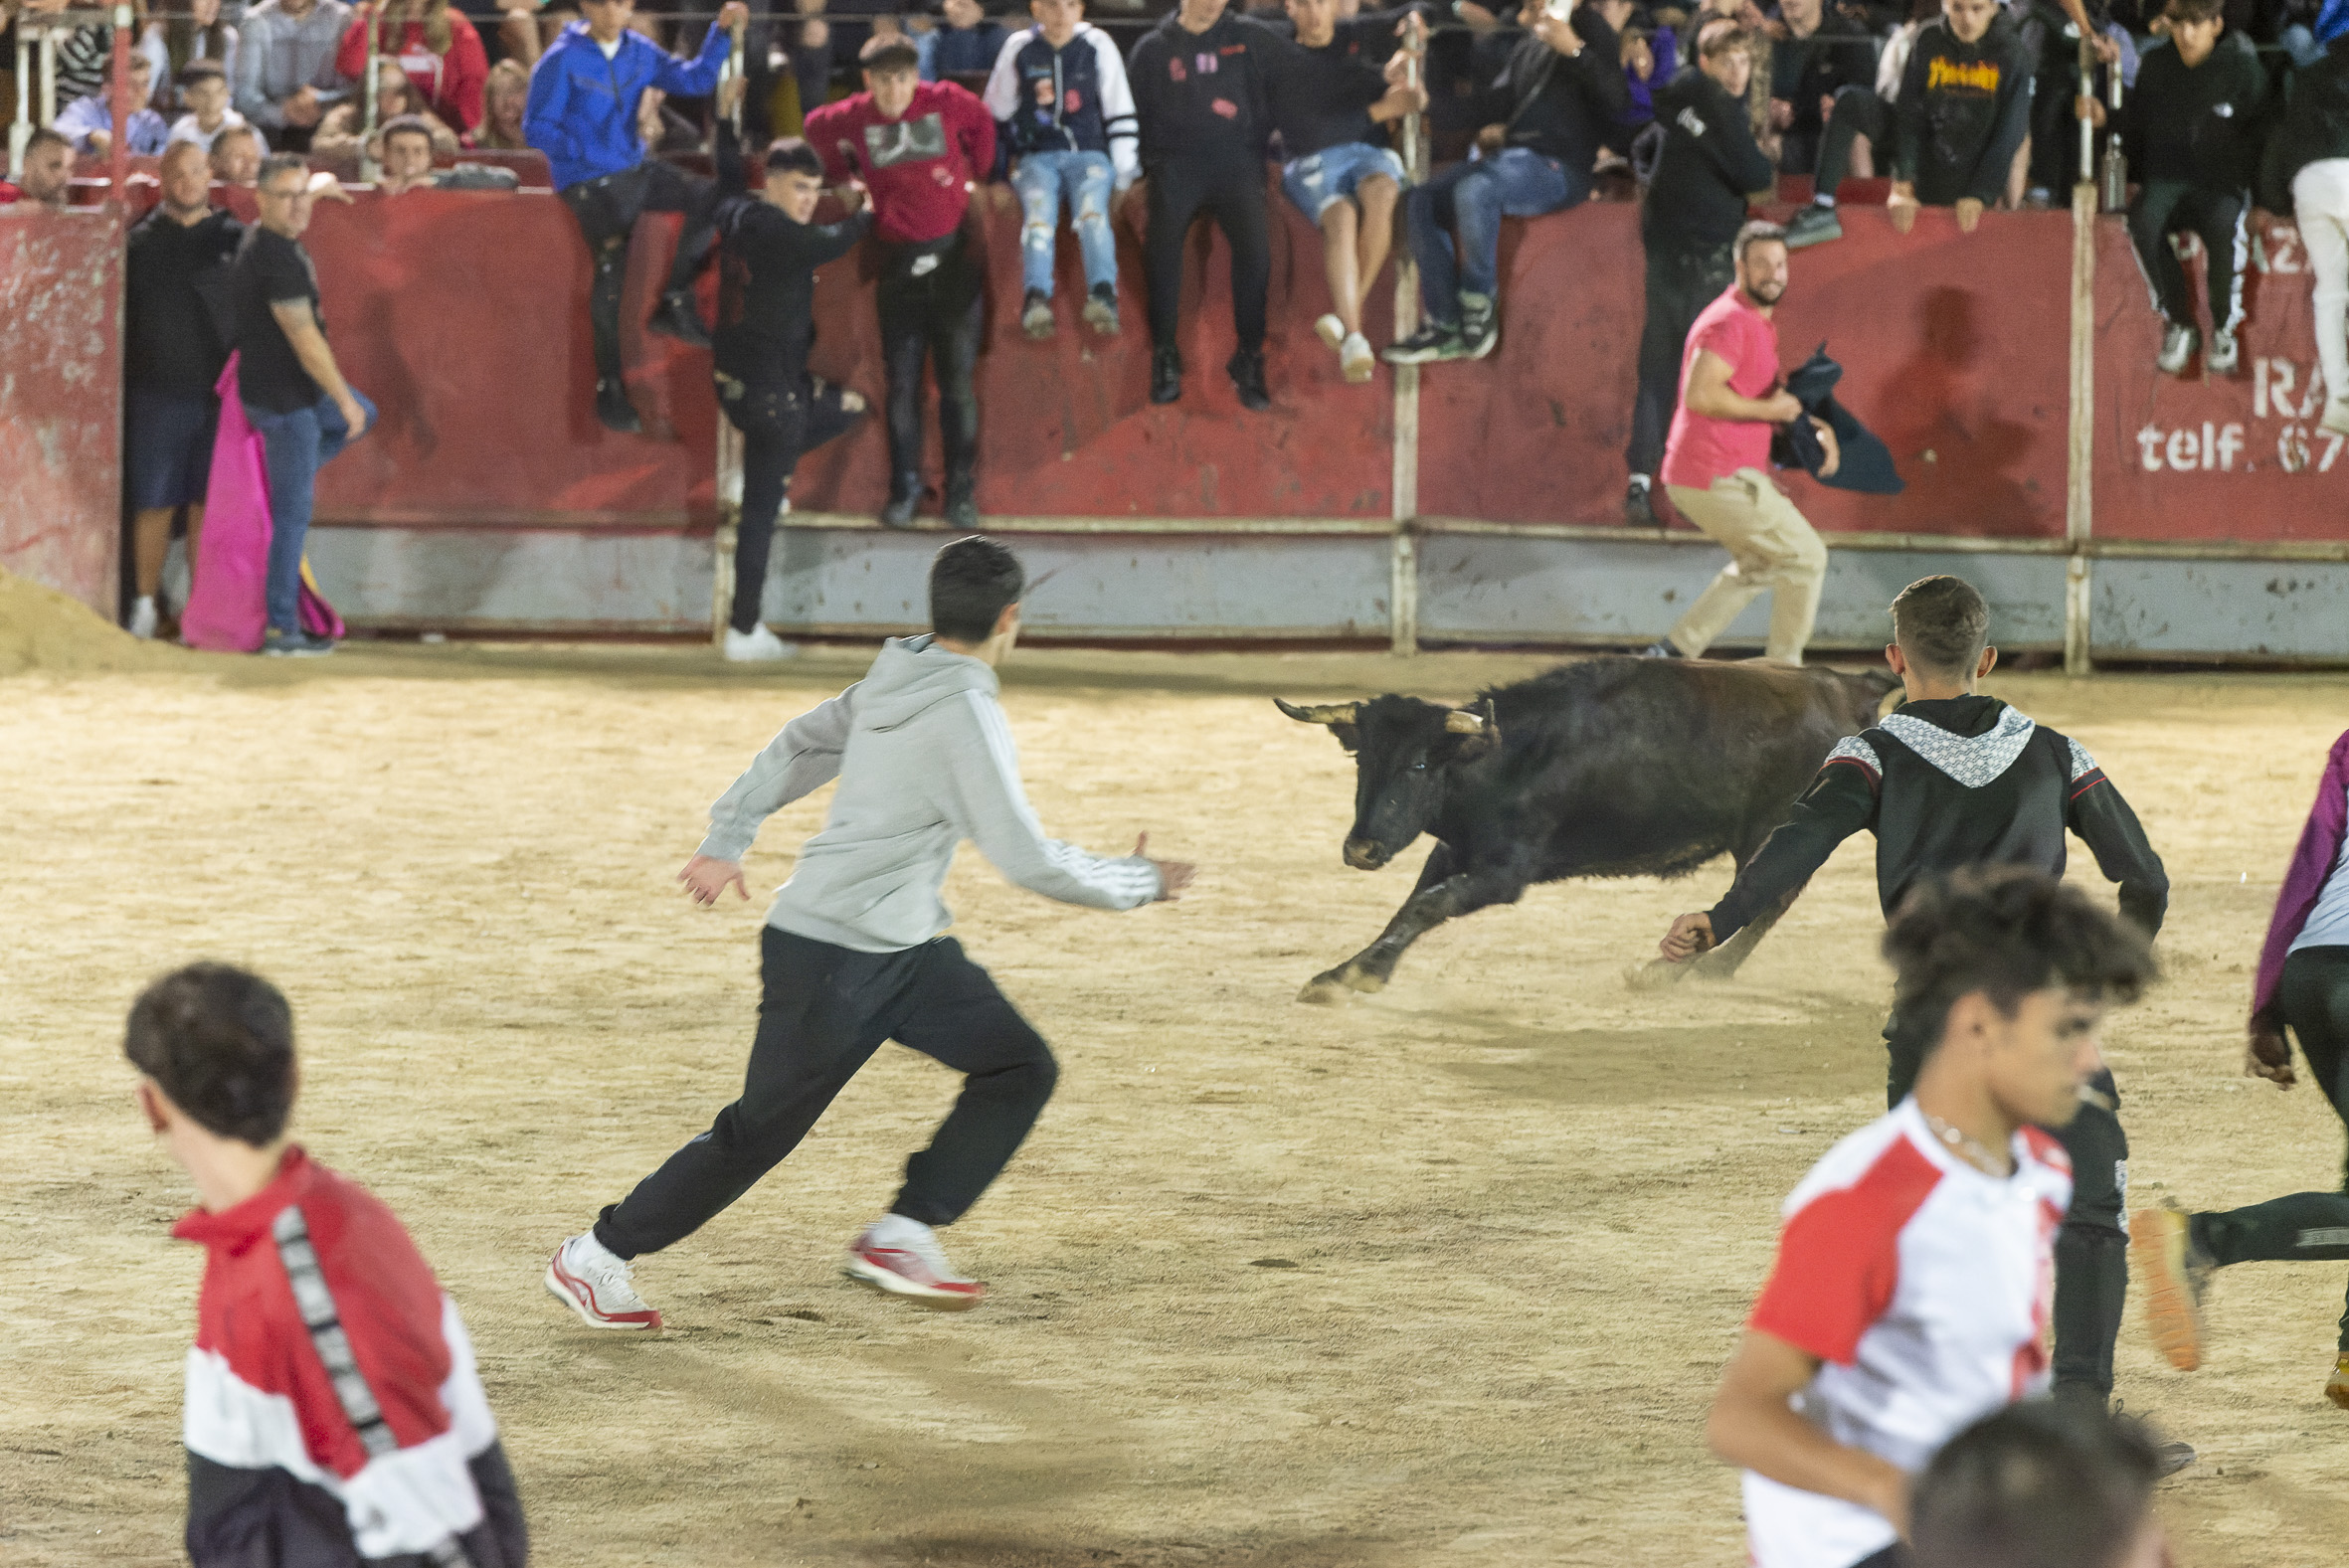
[{"x": 1771, "y": 549}]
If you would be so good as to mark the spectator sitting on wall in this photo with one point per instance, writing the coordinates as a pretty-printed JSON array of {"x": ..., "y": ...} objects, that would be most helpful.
[
  {"x": 174, "y": 343},
  {"x": 337, "y": 134},
  {"x": 1706, "y": 170},
  {"x": 1963, "y": 110},
  {"x": 48, "y": 172},
  {"x": 584, "y": 98},
  {"x": 502, "y": 103},
  {"x": 1821, "y": 53},
  {"x": 918, "y": 146},
  {"x": 2191, "y": 134},
  {"x": 292, "y": 391},
  {"x": 1329, "y": 98},
  {"x": 437, "y": 49},
  {"x": 235, "y": 157},
  {"x": 770, "y": 247},
  {"x": 1651, "y": 56},
  {"x": 2041, "y": 1483},
  {"x": 406, "y": 144},
  {"x": 204, "y": 88},
  {"x": 1561, "y": 89},
  {"x": 286, "y": 77},
  {"x": 965, "y": 43},
  {"x": 1065, "y": 129},
  {"x": 90, "y": 123},
  {"x": 198, "y": 33}
]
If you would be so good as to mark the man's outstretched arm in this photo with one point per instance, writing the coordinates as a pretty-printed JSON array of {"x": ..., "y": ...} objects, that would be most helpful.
[
  {"x": 1840, "y": 802},
  {"x": 800, "y": 760}
]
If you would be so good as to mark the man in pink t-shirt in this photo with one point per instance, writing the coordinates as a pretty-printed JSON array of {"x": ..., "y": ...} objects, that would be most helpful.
[{"x": 1716, "y": 462}]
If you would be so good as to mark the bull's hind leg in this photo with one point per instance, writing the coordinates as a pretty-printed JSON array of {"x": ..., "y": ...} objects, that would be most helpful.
[
  {"x": 1719, "y": 965},
  {"x": 1441, "y": 896}
]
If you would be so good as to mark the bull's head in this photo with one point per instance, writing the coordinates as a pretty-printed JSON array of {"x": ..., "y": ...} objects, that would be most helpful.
[{"x": 1407, "y": 753}]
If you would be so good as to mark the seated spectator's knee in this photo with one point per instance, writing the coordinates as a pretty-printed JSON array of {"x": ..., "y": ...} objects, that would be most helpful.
[
  {"x": 1039, "y": 236},
  {"x": 1378, "y": 193}
]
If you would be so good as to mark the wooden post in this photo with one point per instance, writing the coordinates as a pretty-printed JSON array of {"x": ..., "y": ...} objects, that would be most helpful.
[
  {"x": 1403, "y": 484},
  {"x": 370, "y": 168},
  {"x": 730, "y": 439},
  {"x": 2080, "y": 452},
  {"x": 121, "y": 108}
]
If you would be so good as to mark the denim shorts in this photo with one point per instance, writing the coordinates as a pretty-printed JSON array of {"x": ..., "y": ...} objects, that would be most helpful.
[
  {"x": 167, "y": 436},
  {"x": 1332, "y": 174}
]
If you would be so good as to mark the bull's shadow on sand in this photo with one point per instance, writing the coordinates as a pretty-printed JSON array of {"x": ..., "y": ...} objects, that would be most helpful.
[{"x": 1009, "y": 1551}]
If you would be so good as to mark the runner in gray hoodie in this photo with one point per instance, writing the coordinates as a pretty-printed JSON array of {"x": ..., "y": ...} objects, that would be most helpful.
[{"x": 853, "y": 952}]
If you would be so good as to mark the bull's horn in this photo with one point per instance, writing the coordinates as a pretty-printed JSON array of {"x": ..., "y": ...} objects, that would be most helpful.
[
  {"x": 1321, "y": 713},
  {"x": 1467, "y": 721}
]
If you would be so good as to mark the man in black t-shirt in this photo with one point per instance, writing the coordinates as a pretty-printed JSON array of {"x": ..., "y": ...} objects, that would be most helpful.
[
  {"x": 174, "y": 344},
  {"x": 291, "y": 386},
  {"x": 769, "y": 250}
]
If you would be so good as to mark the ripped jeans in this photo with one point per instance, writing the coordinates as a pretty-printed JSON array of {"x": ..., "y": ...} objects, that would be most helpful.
[{"x": 1041, "y": 178}]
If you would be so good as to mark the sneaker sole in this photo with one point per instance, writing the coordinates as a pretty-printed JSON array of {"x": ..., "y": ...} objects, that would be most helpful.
[
  {"x": 1482, "y": 349},
  {"x": 2157, "y": 1246},
  {"x": 1331, "y": 331},
  {"x": 1416, "y": 356},
  {"x": 1102, "y": 318},
  {"x": 1037, "y": 328},
  {"x": 888, "y": 1283},
  {"x": 2336, "y": 1388},
  {"x": 555, "y": 1287},
  {"x": 1358, "y": 372},
  {"x": 1807, "y": 240}
]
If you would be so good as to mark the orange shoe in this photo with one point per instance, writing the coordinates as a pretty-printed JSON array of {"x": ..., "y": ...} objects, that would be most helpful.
[
  {"x": 2173, "y": 1273},
  {"x": 2336, "y": 1387}
]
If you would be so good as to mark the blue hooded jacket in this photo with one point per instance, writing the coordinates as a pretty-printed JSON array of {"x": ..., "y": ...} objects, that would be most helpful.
[{"x": 582, "y": 111}]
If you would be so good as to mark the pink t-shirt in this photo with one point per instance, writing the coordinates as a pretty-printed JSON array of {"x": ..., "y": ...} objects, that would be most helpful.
[{"x": 1700, "y": 449}]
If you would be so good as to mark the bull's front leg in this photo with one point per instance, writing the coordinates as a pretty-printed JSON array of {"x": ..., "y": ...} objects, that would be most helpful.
[{"x": 1442, "y": 893}]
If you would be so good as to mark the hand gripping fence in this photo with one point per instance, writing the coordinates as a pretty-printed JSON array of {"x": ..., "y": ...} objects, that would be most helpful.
[{"x": 318, "y": 1314}]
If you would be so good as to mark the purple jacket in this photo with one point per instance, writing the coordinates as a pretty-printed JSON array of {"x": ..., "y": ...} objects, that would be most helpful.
[{"x": 2303, "y": 880}]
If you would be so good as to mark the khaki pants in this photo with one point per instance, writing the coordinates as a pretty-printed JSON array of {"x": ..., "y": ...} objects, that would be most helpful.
[{"x": 1771, "y": 547}]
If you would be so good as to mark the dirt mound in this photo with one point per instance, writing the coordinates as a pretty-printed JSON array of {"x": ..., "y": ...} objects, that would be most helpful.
[{"x": 43, "y": 629}]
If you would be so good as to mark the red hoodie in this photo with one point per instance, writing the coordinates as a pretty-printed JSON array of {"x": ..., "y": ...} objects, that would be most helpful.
[
  {"x": 451, "y": 84},
  {"x": 919, "y": 167}
]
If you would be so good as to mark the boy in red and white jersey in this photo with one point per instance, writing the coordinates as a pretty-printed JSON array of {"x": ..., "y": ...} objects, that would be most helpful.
[
  {"x": 1916, "y": 1266},
  {"x": 333, "y": 1417}
]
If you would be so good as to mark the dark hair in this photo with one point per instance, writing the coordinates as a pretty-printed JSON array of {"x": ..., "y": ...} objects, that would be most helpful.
[
  {"x": 196, "y": 71},
  {"x": 1754, "y": 234},
  {"x": 45, "y": 138},
  {"x": 790, "y": 155},
  {"x": 2006, "y": 930},
  {"x": 1941, "y": 624},
  {"x": 970, "y": 583},
  {"x": 882, "y": 55},
  {"x": 219, "y": 1040},
  {"x": 406, "y": 125},
  {"x": 1722, "y": 36},
  {"x": 2038, "y": 1485},
  {"x": 277, "y": 164},
  {"x": 2195, "y": 10}
]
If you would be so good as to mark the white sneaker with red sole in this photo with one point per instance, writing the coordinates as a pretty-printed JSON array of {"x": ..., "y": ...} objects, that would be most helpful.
[
  {"x": 902, "y": 1257},
  {"x": 587, "y": 1276}
]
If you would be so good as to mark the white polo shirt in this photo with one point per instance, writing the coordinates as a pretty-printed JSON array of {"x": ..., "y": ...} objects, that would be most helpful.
[{"x": 1923, "y": 1286}]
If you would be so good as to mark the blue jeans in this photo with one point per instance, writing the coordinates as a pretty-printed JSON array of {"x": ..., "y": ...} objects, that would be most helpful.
[
  {"x": 1515, "y": 182},
  {"x": 1041, "y": 178},
  {"x": 1319, "y": 179},
  {"x": 299, "y": 445}
]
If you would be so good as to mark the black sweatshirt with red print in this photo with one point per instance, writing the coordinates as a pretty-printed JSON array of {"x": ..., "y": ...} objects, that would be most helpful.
[{"x": 1945, "y": 783}]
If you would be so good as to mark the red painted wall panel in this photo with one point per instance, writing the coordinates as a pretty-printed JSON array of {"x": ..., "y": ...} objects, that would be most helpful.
[{"x": 61, "y": 401}]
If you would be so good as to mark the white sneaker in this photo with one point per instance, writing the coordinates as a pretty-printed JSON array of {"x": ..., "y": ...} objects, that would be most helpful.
[
  {"x": 586, "y": 1276},
  {"x": 142, "y": 618},
  {"x": 757, "y": 647},
  {"x": 902, "y": 1257},
  {"x": 1355, "y": 358},
  {"x": 2222, "y": 356},
  {"x": 1330, "y": 330},
  {"x": 2336, "y": 416},
  {"x": 2177, "y": 347}
]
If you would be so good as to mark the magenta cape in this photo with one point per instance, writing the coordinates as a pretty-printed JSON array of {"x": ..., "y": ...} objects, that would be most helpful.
[
  {"x": 2304, "y": 880},
  {"x": 228, "y": 608}
]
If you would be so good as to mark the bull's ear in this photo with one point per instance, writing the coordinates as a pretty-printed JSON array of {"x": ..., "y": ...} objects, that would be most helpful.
[{"x": 1478, "y": 729}]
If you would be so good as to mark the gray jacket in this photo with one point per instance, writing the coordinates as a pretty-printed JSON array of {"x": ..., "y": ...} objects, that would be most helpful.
[
  {"x": 278, "y": 54},
  {"x": 925, "y": 760}
]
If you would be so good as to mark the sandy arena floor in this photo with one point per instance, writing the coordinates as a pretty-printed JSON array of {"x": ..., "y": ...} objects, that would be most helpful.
[{"x": 1442, "y": 1276}]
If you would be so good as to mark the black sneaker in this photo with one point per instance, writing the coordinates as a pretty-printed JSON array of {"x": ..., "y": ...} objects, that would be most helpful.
[
  {"x": 1639, "y": 508},
  {"x": 677, "y": 318},
  {"x": 294, "y": 645},
  {"x": 1101, "y": 309},
  {"x": 1480, "y": 326},
  {"x": 1246, "y": 369},
  {"x": 962, "y": 502},
  {"x": 1035, "y": 314},
  {"x": 904, "y": 496},
  {"x": 1814, "y": 225},
  {"x": 615, "y": 410},
  {"x": 1433, "y": 341},
  {"x": 1165, "y": 374}
]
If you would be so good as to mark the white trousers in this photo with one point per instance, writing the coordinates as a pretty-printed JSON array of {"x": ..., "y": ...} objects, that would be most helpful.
[{"x": 2320, "y": 198}]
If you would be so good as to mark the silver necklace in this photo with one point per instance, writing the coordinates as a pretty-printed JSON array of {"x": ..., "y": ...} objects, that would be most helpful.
[{"x": 1966, "y": 1148}]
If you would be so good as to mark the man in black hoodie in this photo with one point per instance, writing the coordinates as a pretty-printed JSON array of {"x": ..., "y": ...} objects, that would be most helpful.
[
  {"x": 1963, "y": 110},
  {"x": 1955, "y": 779},
  {"x": 2307, "y": 174},
  {"x": 1561, "y": 87},
  {"x": 2191, "y": 134},
  {"x": 1695, "y": 204},
  {"x": 1199, "y": 89}
]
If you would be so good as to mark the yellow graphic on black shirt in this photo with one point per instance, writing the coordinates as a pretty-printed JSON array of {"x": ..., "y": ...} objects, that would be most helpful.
[{"x": 1981, "y": 75}]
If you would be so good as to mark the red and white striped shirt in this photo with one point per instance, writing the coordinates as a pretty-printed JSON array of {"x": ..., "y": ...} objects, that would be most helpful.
[{"x": 1923, "y": 1286}]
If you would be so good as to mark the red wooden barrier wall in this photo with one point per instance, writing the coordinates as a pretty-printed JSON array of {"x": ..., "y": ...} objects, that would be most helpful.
[{"x": 61, "y": 400}]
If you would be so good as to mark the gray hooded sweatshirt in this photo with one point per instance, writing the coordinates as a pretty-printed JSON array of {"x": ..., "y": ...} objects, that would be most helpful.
[{"x": 925, "y": 760}]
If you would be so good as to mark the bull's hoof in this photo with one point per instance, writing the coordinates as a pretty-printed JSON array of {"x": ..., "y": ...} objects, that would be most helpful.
[
  {"x": 1656, "y": 975},
  {"x": 1334, "y": 985},
  {"x": 1323, "y": 990}
]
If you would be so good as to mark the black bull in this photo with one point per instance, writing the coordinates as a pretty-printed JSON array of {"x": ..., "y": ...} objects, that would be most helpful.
[{"x": 1606, "y": 767}]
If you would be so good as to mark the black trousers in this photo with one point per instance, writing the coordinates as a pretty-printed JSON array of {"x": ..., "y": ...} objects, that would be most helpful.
[
  {"x": 934, "y": 313},
  {"x": 1181, "y": 189},
  {"x": 823, "y": 1012},
  {"x": 2167, "y": 207},
  {"x": 1860, "y": 112},
  {"x": 2306, "y": 1226},
  {"x": 1683, "y": 279},
  {"x": 608, "y": 209},
  {"x": 2093, "y": 1246},
  {"x": 778, "y": 424}
]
